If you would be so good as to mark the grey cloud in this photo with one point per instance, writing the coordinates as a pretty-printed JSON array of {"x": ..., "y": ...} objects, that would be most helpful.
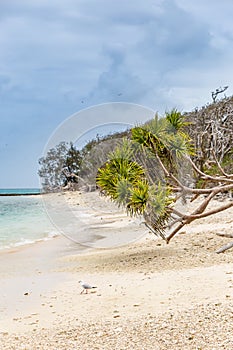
[
  {"x": 117, "y": 83},
  {"x": 143, "y": 45},
  {"x": 4, "y": 82},
  {"x": 174, "y": 36},
  {"x": 160, "y": 53}
]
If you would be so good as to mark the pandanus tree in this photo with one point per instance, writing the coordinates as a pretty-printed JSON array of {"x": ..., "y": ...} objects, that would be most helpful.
[{"x": 155, "y": 170}]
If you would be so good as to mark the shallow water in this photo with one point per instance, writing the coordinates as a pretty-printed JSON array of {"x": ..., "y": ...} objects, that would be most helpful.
[
  {"x": 23, "y": 220},
  {"x": 19, "y": 191}
]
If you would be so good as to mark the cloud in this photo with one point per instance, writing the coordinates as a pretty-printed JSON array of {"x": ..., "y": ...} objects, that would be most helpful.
[
  {"x": 4, "y": 81},
  {"x": 73, "y": 50},
  {"x": 70, "y": 46},
  {"x": 117, "y": 83},
  {"x": 58, "y": 57}
]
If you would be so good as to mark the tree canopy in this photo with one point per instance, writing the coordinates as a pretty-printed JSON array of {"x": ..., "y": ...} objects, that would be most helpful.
[
  {"x": 57, "y": 167},
  {"x": 153, "y": 171}
]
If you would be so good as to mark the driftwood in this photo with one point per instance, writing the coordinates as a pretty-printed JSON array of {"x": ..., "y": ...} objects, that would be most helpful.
[
  {"x": 228, "y": 235},
  {"x": 224, "y": 248}
]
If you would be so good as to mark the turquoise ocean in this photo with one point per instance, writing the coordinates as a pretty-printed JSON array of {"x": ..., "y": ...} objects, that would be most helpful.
[{"x": 23, "y": 219}]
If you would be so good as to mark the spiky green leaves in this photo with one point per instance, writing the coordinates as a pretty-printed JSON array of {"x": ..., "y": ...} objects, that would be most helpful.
[
  {"x": 127, "y": 180},
  {"x": 176, "y": 121},
  {"x": 165, "y": 137},
  {"x": 139, "y": 194},
  {"x": 120, "y": 175}
]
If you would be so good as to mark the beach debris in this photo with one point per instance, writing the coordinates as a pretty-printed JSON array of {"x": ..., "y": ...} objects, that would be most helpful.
[
  {"x": 86, "y": 286},
  {"x": 224, "y": 248},
  {"x": 223, "y": 234},
  {"x": 118, "y": 329}
]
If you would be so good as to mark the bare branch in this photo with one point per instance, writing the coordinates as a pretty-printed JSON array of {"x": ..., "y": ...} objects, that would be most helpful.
[
  {"x": 220, "y": 167},
  {"x": 173, "y": 233},
  {"x": 224, "y": 178},
  {"x": 217, "y": 92},
  {"x": 197, "y": 214},
  {"x": 211, "y": 212}
]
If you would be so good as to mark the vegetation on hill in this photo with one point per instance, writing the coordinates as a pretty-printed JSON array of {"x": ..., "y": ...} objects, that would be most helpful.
[
  {"x": 129, "y": 182},
  {"x": 65, "y": 167},
  {"x": 211, "y": 129},
  {"x": 153, "y": 167}
]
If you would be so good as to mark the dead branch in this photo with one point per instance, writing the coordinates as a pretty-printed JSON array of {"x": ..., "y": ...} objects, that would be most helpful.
[
  {"x": 211, "y": 212},
  {"x": 215, "y": 93},
  {"x": 197, "y": 214},
  {"x": 224, "y": 178},
  {"x": 221, "y": 168}
]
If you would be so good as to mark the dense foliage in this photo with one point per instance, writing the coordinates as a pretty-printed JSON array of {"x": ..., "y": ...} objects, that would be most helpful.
[
  {"x": 129, "y": 182},
  {"x": 172, "y": 175}
]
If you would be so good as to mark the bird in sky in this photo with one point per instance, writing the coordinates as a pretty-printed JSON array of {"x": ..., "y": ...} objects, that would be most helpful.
[{"x": 86, "y": 286}]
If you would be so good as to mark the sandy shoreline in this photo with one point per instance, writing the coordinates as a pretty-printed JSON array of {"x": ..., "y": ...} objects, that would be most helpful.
[{"x": 149, "y": 295}]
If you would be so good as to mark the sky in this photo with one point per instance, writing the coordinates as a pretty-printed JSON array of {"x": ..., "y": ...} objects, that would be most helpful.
[{"x": 59, "y": 57}]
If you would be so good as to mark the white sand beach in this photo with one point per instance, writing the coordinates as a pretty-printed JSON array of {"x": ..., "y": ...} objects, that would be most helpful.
[{"x": 149, "y": 295}]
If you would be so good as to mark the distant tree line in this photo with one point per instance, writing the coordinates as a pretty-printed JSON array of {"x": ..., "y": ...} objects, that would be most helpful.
[{"x": 66, "y": 167}]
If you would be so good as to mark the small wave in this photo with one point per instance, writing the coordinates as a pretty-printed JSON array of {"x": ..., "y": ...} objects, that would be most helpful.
[
  {"x": 25, "y": 242},
  {"x": 50, "y": 236}
]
